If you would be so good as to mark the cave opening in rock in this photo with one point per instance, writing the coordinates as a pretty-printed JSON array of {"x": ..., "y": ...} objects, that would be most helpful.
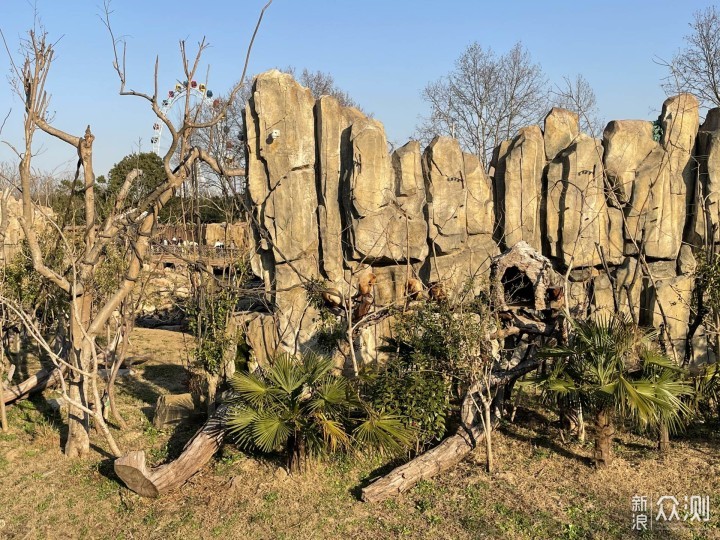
[{"x": 519, "y": 290}]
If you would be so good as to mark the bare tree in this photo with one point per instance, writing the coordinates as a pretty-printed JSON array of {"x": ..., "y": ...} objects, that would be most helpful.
[
  {"x": 485, "y": 99},
  {"x": 4, "y": 220},
  {"x": 128, "y": 224},
  {"x": 578, "y": 96},
  {"x": 696, "y": 68}
]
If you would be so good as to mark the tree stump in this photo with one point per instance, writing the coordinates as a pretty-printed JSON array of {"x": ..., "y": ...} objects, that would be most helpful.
[{"x": 522, "y": 278}]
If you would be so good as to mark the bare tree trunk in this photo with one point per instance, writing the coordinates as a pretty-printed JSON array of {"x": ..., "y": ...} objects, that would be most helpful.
[
  {"x": 118, "y": 356},
  {"x": 580, "y": 424},
  {"x": 487, "y": 425},
  {"x": 295, "y": 450},
  {"x": 212, "y": 384},
  {"x": 111, "y": 396},
  {"x": 664, "y": 439},
  {"x": 604, "y": 432},
  {"x": 4, "y": 222},
  {"x": 449, "y": 452},
  {"x": 716, "y": 321},
  {"x": 3, "y": 415},
  {"x": 78, "y": 441},
  {"x": 350, "y": 339},
  {"x": 437, "y": 460},
  {"x": 571, "y": 417}
]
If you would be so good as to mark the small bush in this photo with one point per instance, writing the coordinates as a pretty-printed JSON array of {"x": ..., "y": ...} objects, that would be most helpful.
[{"x": 437, "y": 349}]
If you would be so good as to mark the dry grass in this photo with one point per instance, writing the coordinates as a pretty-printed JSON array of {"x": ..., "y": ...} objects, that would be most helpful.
[{"x": 542, "y": 488}]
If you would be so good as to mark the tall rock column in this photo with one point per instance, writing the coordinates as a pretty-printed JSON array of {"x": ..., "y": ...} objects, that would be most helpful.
[
  {"x": 627, "y": 143},
  {"x": 281, "y": 170},
  {"x": 381, "y": 209},
  {"x": 578, "y": 218},
  {"x": 657, "y": 206},
  {"x": 332, "y": 132},
  {"x": 460, "y": 215},
  {"x": 705, "y": 207},
  {"x": 519, "y": 175}
]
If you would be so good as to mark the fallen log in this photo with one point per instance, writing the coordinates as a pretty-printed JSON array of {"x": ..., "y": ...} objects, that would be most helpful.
[
  {"x": 443, "y": 457},
  {"x": 153, "y": 482},
  {"x": 448, "y": 453},
  {"x": 45, "y": 378}
]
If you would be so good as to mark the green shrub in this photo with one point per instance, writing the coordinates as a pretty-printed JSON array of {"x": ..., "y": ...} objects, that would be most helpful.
[
  {"x": 421, "y": 397},
  {"x": 301, "y": 408},
  {"x": 438, "y": 349}
]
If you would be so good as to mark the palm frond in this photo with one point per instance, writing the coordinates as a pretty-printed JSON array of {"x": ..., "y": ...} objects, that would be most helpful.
[
  {"x": 252, "y": 389},
  {"x": 334, "y": 433},
  {"x": 557, "y": 352},
  {"x": 652, "y": 358},
  {"x": 385, "y": 432},
  {"x": 330, "y": 395},
  {"x": 636, "y": 399},
  {"x": 316, "y": 366},
  {"x": 287, "y": 373},
  {"x": 270, "y": 431},
  {"x": 707, "y": 383},
  {"x": 240, "y": 422},
  {"x": 611, "y": 362}
]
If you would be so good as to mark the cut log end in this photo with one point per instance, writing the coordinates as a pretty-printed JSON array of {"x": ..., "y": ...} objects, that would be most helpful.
[
  {"x": 132, "y": 470},
  {"x": 152, "y": 482}
]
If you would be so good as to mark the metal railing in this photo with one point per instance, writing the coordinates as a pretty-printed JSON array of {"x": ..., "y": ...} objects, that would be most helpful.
[{"x": 193, "y": 251}]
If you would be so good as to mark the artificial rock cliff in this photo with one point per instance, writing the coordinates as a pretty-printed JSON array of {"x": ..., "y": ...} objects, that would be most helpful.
[
  {"x": 622, "y": 218},
  {"x": 11, "y": 231}
]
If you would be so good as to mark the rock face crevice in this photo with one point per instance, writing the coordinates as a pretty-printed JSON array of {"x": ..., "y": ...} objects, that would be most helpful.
[{"x": 623, "y": 217}]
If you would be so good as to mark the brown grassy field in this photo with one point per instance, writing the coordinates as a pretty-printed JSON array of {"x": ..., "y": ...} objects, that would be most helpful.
[{"x": 543, "y": 488}]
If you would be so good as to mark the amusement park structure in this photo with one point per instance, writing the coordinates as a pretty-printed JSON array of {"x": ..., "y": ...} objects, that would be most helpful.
[{"x": 181, "y": 90}]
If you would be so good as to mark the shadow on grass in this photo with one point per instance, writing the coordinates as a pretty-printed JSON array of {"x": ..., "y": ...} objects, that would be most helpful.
[
  {"x": 50, "y": 416},
  {"x": 171, "y": 377},
  {"x": 106, "y": 467},
  {"x": 183, "y": 432},
  {"x": 707, "y": 431},
  {"x": 104, "y": 453},
  {"x": 148, "y": 384},
  {"x": 540, "y": 423}
]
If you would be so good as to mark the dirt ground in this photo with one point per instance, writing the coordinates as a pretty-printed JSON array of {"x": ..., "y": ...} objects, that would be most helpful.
[{"x": 542, "y": 489}]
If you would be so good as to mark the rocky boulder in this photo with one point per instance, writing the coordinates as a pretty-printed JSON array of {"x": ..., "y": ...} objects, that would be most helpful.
[
  {"x": 561, "y": 129},
  {"x": 577, "y": 213},
  {"x": 519, "y": 179},
  {"x": 446, "y": 194},
  {"x": 627, "y": 143}
]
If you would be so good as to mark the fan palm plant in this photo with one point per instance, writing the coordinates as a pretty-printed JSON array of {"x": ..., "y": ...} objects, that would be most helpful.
[
  {"x": 300, "y": 407},
  {"x": 706, "y": 384},
  {"x": 610, "y": 367}
]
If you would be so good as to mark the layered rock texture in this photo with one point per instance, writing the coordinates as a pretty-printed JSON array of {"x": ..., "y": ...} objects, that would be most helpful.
[
  {"x": 622, "y": 217},
  {"x": 11, "y": 232}
]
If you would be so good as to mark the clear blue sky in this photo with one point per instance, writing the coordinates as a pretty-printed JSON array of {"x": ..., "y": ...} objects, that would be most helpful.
[{"x": 383, "y": 52}]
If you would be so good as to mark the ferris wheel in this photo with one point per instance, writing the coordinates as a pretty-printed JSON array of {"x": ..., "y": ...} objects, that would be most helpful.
[{"x": 201, "y": 93}]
